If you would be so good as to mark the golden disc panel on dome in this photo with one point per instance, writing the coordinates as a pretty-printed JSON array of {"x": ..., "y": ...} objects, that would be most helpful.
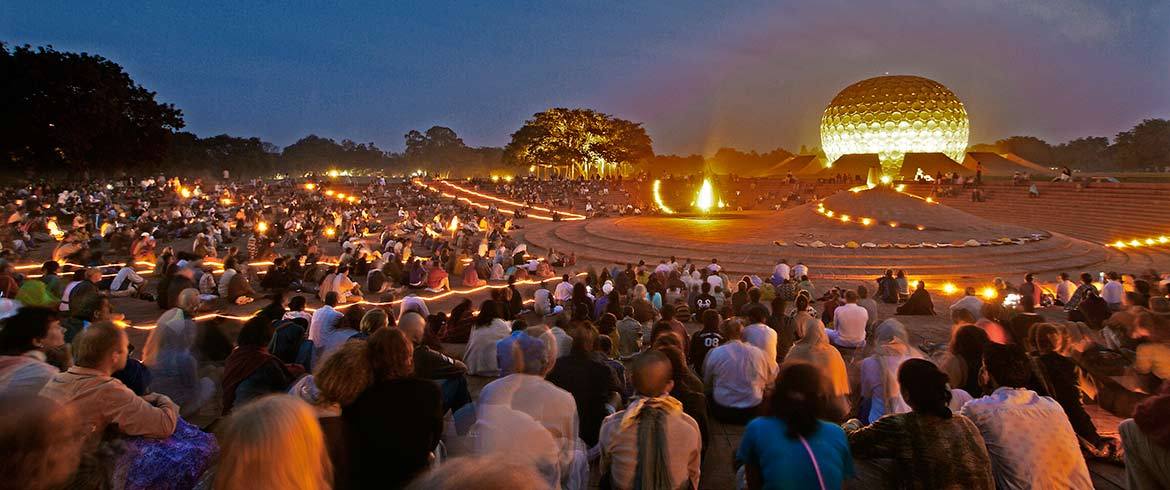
[{"x": 892, "y": 116}]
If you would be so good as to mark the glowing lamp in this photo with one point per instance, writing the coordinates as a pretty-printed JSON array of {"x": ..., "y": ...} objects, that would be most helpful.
[
  {"x": 226, "y": 201},
  {"x": 1149, "y": 241},
  {"x": 844, "y": 218},
  {"x": 1135, "y": 243},
  {"x": 989, "y": 293},
  {"x": 310, "y": 186},
  {"x": 929, "y": 199},
  {"x": 1163, "y": 239},
  {"x": 949, "y": 289},
  {"x": 351, "y": 199},
  {"x": 328, "y": 193},
  {"x": 900, "y": 187},
  {"x": 330, "y": 232},
  {"x": 262, "y": 227},
  {"x": 886, "y": 179},
  {"x": 893, "y": 224},
  {"x": 829, "y": 214},
  {"x": 892, "y": 116},
  {"x": 920, "y": 227},
  {"x": 185, "y": 192},
  {"x": 866, "y": 221},
  {"x": 334, "y": 173},
  {"x": 1119, "y": 244}
]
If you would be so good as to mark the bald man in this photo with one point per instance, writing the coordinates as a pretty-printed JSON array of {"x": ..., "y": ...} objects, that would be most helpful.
[
  {"x": 620, "y": 444},
  {"x": 429, "y": 364}
]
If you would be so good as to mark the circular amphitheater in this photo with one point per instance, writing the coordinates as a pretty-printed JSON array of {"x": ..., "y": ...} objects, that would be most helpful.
[
  {"x": 1009, "y": 235},
  {"x": 950, "y": 244}
]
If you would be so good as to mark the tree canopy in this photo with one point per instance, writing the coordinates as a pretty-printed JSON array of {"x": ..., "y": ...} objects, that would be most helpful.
[
  {"x": 71, "y": 111},
  {"x": 579, "y": 142}
]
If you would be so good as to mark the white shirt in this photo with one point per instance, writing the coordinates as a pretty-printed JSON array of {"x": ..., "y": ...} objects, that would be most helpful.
[
  {"x": 782, "y": 270},
  {"x": 325, "y": 318},
  {"x": 714, "y": 280},
  {"x": 763, "y": 337},
  {"x": 1112, "y": 292},
  {"x": 970, "y": 303},
  {"x": 799, "y": 270},
  {"x": 125, "y": 274},
  {"x": 850, "y": 320},
  {"x": 225, "y": 280},
  {"x": 1029, "y": 438},
  {"x": 1064, "y": 290},
  {"x": 564, "y": 292},
  {"x": 737, "y": 374}
]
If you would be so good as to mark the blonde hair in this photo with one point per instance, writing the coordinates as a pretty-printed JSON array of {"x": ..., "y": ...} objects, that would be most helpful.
[
  {"x": 374, "y": 320},
  {"x": 274, "y": 442},
  {"x": 345, "y": 374}
]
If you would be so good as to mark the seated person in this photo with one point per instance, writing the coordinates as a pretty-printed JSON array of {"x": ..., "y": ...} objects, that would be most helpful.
[
  {"x": 103, "y": 401},
  {"x": 736, "y": 374},
  {"x": 1028, "y": 436},
  {"x": 677, "y": 439},
  {"x": 250, "y": 371}
]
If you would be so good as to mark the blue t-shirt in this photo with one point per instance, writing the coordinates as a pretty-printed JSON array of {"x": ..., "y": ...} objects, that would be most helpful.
[{"x": 784, "y": 463}]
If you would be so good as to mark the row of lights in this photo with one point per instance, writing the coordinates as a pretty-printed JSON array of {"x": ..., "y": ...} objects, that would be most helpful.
[
  {"x": 988, "y": 292},
  {"x": 1148, "y": 242},
  {"x": 845, "y": 218},
  {"x": 567, "y": 215}
]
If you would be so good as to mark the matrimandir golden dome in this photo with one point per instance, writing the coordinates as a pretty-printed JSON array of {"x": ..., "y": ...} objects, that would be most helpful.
[{"x": 892, "y": 116}]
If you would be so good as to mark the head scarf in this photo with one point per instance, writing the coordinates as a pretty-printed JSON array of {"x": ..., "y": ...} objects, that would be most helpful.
[
  {"x": 893, "y": 348},
  {"x": 814, "y": 348}
]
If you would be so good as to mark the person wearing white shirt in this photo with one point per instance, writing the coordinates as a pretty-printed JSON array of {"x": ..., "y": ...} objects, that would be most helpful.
[
  {"x": 849, "y": 321},
  {"x": 324, "y": 320},
  {"x": 971, "y": 303},
  {"x": 715, "y": 281},
  {"x": 542, "y": 304},
  {"x": 760, "y": 334},
  {"x": 736, "y": 374},
  {"x": 714, "y": 266},
  {"x": 782, "y": 270},
  {"x": 1113, "y": 291},
  {"x": 1028, "y": 436},
  {"x": 126, "y": 282},
  {"x": 799, "y": 270},
  {"x": 663, "y": 267},
  {"x": 1064, "y": 289},
  {"x": 564, "y": 291}
]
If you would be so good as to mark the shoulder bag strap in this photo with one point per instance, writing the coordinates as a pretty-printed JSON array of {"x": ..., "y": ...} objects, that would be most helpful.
[{"x": 816, "y": 466}]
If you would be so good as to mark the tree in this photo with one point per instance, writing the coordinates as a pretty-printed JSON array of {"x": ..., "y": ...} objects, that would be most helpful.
[
  {"x": 441, "y": 150},
  {"x": 1146, "y": 145},
  {"x": 733, "y": 161},
  {"x": 74, "y": 111},
  {"x": 1029, "y": 147},
  {"x": 1083, "y": 153},
  {"x": 579, "y": 142}
]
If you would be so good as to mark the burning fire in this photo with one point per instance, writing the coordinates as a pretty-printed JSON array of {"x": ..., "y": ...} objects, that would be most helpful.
[{"x": 706, "y": 199}]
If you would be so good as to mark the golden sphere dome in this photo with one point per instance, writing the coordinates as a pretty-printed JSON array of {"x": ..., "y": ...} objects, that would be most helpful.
[{"x": 892, "y": 116}]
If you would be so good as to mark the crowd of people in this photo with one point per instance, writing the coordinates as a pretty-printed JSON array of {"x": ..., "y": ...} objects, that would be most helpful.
[{"x": 606, "y": 374}]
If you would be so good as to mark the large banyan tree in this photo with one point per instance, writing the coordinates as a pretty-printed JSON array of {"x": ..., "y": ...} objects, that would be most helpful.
[{"x": 574, "y": 143}]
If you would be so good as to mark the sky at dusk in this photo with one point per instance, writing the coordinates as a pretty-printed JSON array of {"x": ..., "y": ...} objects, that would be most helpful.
[{"x": 698, "y": 75}]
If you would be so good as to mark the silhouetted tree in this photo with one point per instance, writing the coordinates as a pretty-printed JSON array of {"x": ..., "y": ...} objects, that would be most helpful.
[
  {"x": 68, "y": 111},
  {"x": 1146, "y": 145}
]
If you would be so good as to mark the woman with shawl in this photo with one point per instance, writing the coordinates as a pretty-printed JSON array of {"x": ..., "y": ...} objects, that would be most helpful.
[
  {"x": 814, "y": 348},
  {"x": 919, "y": 302},
  {"x": 458, "y": 327},
  {"x": 250, "y": 371},
  {"x": 471, "y": 277},
  {"x": 490, "y": 328},
  {"x": 880, "y": 392}
]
